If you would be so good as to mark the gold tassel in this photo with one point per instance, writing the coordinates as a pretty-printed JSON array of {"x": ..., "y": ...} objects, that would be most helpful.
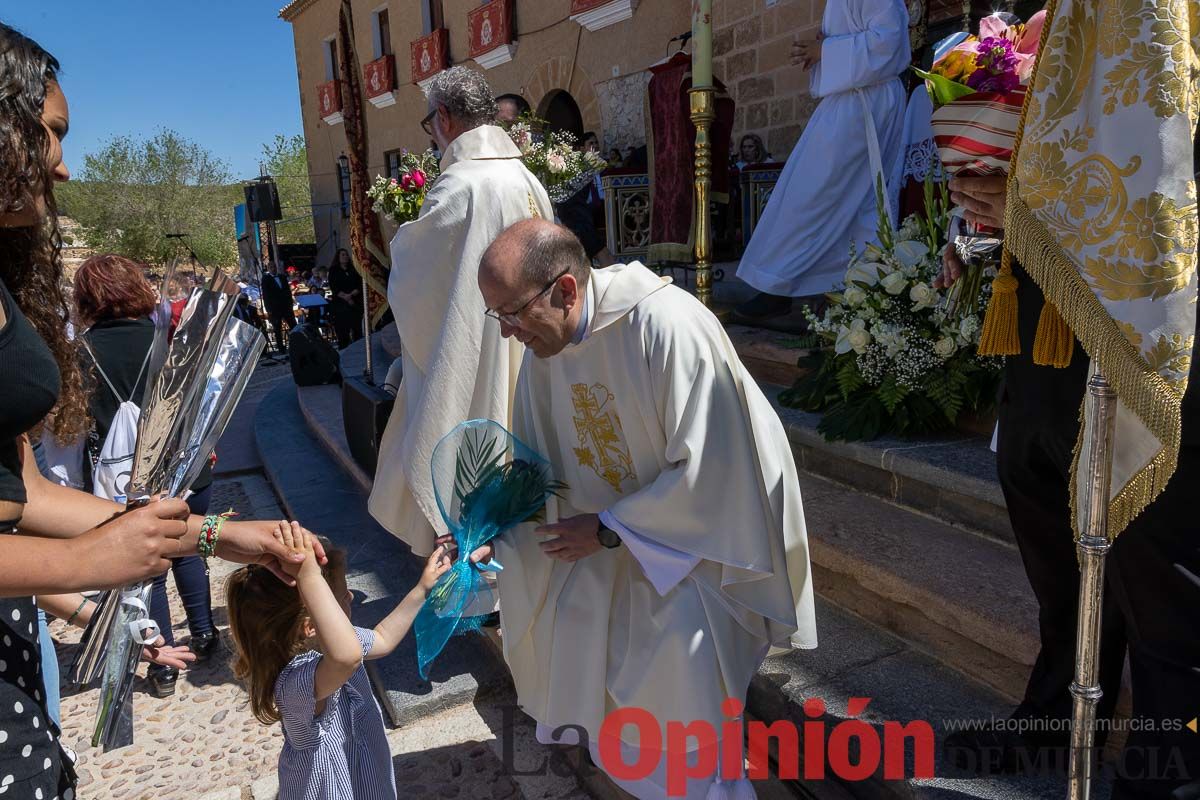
[
  {"x": 999, "y": 336},
  {"x": 1054, "y": 343}
]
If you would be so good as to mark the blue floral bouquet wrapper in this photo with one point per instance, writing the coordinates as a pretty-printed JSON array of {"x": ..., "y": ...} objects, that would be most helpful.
[{"x": 485, "y": 481}]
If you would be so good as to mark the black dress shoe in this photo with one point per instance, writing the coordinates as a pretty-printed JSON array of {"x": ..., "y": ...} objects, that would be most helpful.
[
  {"x": 162, "y": 680},
  {"x": 765, "y": 306},
  {"x": 204, "y": 644}
]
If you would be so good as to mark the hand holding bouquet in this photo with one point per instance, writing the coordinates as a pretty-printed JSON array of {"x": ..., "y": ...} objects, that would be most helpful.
[
  {"x": 401, "y": 197},
  {"x": 978, "y": 86}
]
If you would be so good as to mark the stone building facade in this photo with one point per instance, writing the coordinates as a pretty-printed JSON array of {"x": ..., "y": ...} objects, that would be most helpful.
[
  {"x": 582, "y": 63},
  {"x": 589, "y": 57}
]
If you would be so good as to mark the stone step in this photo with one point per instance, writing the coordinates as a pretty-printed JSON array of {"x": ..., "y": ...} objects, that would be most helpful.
[
  {"x": 961, "y": 597},
  {"x": 380, "y": 568},
  {"x": 951, "y": 477},
  {"x": 857, "y": 659},
  {"x": 770, "y": 356}
]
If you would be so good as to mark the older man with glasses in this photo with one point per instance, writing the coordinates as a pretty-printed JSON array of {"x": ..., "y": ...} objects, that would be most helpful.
[{"x": 456, "y": 364}]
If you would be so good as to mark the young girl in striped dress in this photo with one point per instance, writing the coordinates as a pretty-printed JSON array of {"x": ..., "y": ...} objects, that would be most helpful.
[{"x": 334, "y": 747}]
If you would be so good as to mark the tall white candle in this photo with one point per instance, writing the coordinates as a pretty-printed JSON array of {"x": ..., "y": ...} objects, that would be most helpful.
[{"x": 701, "y": 43}]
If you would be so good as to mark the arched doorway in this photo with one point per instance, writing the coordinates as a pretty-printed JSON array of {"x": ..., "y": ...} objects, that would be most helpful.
[{"x": 561, "y": 113}]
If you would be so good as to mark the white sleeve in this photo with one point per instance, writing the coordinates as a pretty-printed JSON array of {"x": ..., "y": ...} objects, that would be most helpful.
[{"x": 664, "y": 566}]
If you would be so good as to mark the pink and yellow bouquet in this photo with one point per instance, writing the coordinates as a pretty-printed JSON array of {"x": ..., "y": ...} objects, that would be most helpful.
[
  {"x": 977, "y": 85},
  {"x": 401, "y": 197}
]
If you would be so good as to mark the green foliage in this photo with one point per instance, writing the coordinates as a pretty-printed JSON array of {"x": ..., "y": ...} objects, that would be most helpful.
[
  {"x": 133, "y": 192},
  {"x": 849, "y": 379},
  {"x": 856, "y": 411},
  {"x": 286, "y": 159}
]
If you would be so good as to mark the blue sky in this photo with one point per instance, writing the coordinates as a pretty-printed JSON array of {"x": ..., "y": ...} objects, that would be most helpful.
[{"x": 220, "y": 72}]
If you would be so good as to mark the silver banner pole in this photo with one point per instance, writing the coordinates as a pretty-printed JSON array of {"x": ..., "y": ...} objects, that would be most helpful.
[
  {"x": 369, "y": 371},
  {"x": 1093, "y": 548}
]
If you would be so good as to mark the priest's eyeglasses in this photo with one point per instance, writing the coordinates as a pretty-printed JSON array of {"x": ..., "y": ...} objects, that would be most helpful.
[
  {"x": 427, "y": 123},
  {"x": 513, "y": 318}
]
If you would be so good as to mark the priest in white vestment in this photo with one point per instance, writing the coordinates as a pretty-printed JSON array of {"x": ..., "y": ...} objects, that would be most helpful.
[
  {"x": 456, "y": 365},
  {"x": 677, "y": 555},
  {"x": 825, "y": 198}
]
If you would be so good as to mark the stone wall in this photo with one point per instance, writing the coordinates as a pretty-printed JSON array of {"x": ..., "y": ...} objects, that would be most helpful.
[{"x": 752, "y": 42}]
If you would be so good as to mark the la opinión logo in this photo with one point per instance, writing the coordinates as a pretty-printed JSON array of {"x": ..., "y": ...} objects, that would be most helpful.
[{"x": 851, "y": 750}]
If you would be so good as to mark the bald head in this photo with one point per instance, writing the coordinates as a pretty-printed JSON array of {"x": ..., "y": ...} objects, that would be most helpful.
[
  {"x": 533, "y": 278},
  {"x": 531, "y": 253}
]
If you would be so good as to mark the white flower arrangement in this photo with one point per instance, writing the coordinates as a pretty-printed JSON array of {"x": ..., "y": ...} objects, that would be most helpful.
[
  {"x": 553, "y": 159},
  {"x": 900, "y": 360}
]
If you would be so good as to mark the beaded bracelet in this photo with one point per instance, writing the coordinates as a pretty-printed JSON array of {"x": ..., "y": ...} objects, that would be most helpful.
[
  {"x": 82, "y": 603},
  {"x": 210, "y": 532}
]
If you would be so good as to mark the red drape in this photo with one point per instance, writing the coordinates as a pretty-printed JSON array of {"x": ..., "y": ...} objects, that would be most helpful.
[{"x": 672, "y": 146}]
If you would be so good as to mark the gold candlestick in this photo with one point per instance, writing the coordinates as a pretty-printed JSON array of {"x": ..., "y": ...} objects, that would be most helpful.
[{"x": 703, "y": 114}]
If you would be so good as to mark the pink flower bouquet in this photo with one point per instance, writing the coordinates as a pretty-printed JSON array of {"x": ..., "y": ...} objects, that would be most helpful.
[
  {"x": 978, "y": 85},
  {"x": 401, "y": 197}
]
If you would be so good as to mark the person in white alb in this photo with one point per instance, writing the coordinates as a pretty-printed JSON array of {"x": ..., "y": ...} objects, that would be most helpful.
[{"x": 456, "y": 365}]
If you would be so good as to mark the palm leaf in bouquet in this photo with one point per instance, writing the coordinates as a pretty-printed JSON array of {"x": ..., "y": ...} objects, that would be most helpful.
[{"x": 485, "y": 482}]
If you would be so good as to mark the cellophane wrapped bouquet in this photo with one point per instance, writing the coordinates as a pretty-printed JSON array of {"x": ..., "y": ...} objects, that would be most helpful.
[
  {"x": 485, "y": 481},
  {"x": 553, "y": 158},
  {"x": 977, "y": 85}
]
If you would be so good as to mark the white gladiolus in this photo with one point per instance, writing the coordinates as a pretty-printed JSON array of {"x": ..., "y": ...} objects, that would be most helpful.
[
  {"x": 894, "y": 282},
  {"x": 863, "y": 272},
  {"x": 911, "y": 253}
]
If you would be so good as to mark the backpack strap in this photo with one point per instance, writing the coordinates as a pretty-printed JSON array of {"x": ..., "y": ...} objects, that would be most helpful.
[{"x": 100, "y": 369}]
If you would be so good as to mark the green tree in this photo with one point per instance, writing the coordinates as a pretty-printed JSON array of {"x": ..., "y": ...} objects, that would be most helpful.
[
  {"x": 286, "y": 159},
  {"x": 133, "y": 192}
]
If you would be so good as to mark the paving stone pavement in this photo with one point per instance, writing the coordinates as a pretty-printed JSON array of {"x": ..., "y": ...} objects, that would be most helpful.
[{"x": 202, "y": 737}]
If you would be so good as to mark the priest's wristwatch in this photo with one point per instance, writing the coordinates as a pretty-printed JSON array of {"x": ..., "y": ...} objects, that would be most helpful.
[{"x": 607, "y": 536}]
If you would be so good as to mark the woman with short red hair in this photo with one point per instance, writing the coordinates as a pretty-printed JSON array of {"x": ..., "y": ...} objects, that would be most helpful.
[{"x": 113, "y": 303}]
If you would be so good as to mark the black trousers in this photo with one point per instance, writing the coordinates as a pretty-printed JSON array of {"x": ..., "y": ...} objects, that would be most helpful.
[
  {"x": 1152, "y": 595},
  {"x": 347, "y": 323},
  {"x": 277, "y": 320}
]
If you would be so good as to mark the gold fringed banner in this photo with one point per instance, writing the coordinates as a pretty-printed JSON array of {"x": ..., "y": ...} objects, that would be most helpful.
[{"x": 366, "y": 239}]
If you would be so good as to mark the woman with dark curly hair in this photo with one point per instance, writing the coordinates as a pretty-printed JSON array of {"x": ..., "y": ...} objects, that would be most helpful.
[{"x": 54, "y": 539}]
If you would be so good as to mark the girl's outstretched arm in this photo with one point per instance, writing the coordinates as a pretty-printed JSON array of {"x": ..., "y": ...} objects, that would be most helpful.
[{"x": 395, "y": 626}]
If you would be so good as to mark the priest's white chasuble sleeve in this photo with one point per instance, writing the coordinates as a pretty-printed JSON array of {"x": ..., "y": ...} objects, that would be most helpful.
[
  {"x": 652, "y": 419},
  {"x": 456, "y": 366}
]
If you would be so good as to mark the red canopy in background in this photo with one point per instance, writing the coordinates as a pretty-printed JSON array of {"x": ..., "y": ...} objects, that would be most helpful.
[{"x": 671, "y": 149}]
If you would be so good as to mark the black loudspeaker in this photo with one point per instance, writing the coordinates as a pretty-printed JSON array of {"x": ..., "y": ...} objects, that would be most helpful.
[
  {"x": 314, "y": 361},
  {"x": 262, "y": 202},
  {"x": 365, "y": 411}
]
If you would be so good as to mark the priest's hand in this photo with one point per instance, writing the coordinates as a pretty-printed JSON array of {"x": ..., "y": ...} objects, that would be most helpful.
[
  {"x": 982, "y": 198},
  {"x": 577, "y": 538},
  {"x": 806, "y": 52}
]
